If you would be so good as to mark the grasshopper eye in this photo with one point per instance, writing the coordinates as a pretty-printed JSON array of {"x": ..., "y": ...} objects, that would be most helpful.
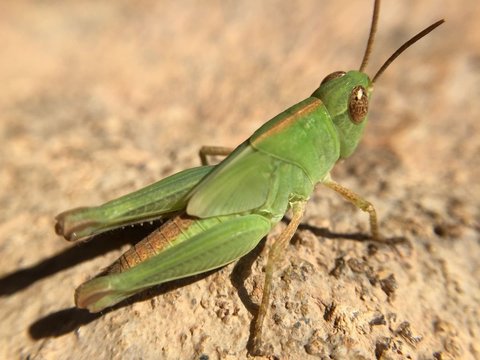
[
  {"x": 332, "y": 76},
  {"x": 358, "y": 104}
]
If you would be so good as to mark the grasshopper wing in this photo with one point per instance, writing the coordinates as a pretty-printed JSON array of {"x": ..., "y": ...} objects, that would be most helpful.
[{"x": 240, "y": 183}]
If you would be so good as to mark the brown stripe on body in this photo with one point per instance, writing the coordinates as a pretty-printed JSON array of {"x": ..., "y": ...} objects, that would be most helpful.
[
  {"x": 152, "y": 244},
  {"x": 289, "y": 120}
]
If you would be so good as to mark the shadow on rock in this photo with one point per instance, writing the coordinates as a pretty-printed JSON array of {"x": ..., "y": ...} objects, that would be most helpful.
[{"x": 99, "y": 245}]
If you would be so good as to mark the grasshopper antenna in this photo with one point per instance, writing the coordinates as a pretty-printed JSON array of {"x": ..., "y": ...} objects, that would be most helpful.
[
  {"x": 371, "y": 36},
  {"x": 405, "y": 46}
]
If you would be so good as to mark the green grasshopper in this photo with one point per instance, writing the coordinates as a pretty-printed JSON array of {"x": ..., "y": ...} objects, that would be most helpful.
[{"x": 217, "y": 214}]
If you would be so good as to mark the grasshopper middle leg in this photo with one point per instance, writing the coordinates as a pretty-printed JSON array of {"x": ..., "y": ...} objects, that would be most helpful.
[
  {"x": 275, "y": 256},
  {"x": 213, "y": 151}
]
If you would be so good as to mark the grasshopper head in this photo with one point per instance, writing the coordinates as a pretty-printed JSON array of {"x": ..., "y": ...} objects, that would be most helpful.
[{"x": 346, "y": 96}]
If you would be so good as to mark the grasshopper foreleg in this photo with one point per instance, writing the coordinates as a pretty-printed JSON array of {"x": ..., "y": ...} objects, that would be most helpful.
[{"x": 360, "y": 203}]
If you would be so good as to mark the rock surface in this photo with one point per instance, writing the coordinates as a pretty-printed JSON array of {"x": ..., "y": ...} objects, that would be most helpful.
[{"x": 100, "y": 98}]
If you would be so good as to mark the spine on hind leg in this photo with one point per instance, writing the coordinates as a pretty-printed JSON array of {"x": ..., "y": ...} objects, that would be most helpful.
[{"x": 174, "y": 231}]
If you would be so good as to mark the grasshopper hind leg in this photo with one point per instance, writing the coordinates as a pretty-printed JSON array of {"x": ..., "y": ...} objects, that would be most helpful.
[{"x": 199, "y": 246}]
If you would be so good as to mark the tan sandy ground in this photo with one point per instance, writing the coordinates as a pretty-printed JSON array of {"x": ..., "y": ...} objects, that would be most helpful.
[{"x": 100, "y": 98}]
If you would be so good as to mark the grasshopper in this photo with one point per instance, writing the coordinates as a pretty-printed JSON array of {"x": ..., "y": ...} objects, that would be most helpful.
[{"x": 216, "y": 214}]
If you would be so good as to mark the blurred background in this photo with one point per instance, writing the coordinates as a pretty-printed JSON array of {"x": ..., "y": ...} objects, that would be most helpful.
[{"x": 99, "y": 98}]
